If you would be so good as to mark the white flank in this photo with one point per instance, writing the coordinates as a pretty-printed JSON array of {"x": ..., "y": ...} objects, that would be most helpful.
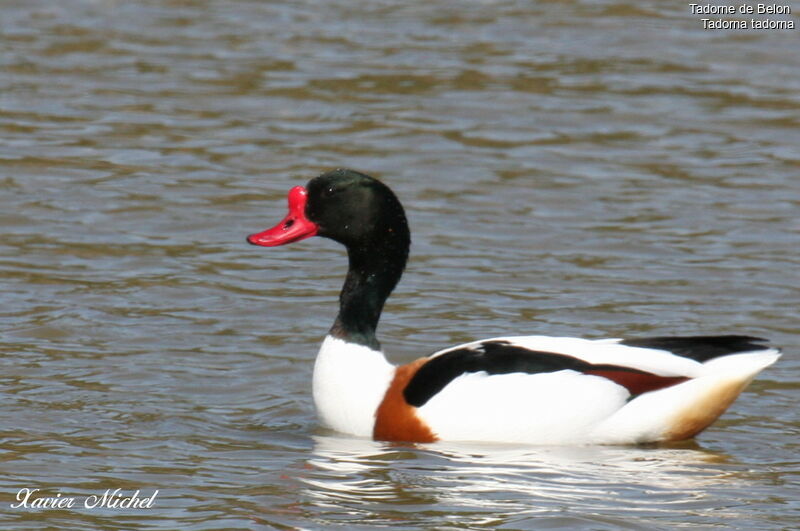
[
  {"x": 349, "y": 383},
  {"x": 549, "y": 408}
]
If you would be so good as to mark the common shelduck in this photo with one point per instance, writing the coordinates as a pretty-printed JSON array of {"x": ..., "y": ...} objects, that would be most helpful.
[{"x": 521, "y": 389}]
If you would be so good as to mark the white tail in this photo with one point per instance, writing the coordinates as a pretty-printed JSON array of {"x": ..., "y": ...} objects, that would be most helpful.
[{"x": 682, "y": 411}]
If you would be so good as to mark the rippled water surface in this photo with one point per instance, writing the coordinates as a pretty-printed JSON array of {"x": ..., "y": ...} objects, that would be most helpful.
[{"x": 569, "y": 168}]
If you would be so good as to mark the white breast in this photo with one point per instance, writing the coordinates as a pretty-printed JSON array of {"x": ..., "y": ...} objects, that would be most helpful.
[{"x": 349, "y": 383}]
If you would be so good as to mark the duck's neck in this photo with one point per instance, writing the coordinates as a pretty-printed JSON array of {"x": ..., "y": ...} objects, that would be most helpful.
[{"x": 374, "y": 270}]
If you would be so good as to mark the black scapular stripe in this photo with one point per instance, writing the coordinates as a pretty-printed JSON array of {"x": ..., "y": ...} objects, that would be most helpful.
[
  {"x": 699, "y": 348},
  {"x": 492, "y": 357}
]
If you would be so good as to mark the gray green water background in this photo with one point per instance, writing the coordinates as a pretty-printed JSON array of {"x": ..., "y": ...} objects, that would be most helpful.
[{"x": 569, "y": 168}]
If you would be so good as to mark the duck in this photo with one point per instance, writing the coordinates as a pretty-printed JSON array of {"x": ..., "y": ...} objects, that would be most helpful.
[{"x": 528, "y": 389}]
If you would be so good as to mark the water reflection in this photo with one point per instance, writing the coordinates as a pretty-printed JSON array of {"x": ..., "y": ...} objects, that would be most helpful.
[{"x": 465, "y": 480}]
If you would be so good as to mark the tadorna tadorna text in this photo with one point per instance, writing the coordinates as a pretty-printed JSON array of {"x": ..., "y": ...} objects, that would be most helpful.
[{"x": 525, "y": 389}]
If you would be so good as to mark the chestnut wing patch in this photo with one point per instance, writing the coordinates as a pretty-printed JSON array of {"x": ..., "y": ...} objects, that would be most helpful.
[
  {"x": 503, "y": 357},
  {"x": 699, "y": 348}
]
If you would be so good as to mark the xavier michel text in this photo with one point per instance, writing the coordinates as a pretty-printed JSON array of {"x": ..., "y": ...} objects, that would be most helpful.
[{"x": 110, "y": 499}]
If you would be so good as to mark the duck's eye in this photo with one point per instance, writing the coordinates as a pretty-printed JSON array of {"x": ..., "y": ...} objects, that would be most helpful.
[{"x": 329, "y": 191}]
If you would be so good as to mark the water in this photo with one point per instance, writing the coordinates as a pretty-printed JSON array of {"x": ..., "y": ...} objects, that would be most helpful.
[{"x": 573, "y": 168}]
